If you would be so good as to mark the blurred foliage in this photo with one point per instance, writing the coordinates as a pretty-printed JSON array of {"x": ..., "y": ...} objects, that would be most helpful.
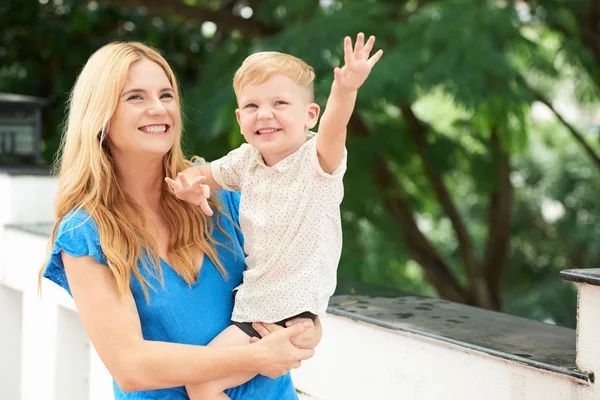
[{"x": 446, "y": 109}]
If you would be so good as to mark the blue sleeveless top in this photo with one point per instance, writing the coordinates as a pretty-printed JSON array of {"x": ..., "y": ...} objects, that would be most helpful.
[{"x": 177, "y": 312}]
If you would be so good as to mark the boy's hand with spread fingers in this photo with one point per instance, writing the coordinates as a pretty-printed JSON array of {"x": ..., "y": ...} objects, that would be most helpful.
[
  {"x": 357, "y": 63},
  {"x": 195, "y": 192}
]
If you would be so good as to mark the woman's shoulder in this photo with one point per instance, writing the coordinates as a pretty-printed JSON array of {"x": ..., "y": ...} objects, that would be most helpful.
[
  {"x": 77, "y": 235},
  {"x": 230, "y": 202},
  {"x": 78, "y": 220}
]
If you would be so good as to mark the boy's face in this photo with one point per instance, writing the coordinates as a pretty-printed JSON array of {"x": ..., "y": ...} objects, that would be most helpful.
[{"x": 275, "y": 117}]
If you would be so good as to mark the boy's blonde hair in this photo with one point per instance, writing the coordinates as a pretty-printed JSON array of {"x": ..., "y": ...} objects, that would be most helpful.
[
  {"x": 87, "y": 177},
  {"x": 259, "y": 67}
]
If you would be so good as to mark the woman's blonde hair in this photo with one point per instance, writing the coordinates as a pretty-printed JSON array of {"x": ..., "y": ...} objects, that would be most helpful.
[
  {"x": 259, "y": 67},
  {"x": 87, "y": 179}
]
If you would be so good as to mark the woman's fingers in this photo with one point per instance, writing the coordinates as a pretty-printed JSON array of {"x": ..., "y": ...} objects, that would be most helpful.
[
  {"x": 283, "y": 355},
  {"x": 305, "y": 354},
  {"x": 299, "y": 321},
  {"x": 254, "y": 339},
  {"x": 264, "y": 329}
]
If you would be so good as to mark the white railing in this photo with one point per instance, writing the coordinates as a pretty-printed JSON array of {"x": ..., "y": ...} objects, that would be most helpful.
[{"x": 45, "y": 353}]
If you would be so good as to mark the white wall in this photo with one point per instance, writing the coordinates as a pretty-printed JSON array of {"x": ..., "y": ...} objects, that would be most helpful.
[
  {"x": 26, "y": 199},
  {"x": 356, "y": 360},
  {"x": 11, "y": 310},
  {"x": 46, "y": 355}
]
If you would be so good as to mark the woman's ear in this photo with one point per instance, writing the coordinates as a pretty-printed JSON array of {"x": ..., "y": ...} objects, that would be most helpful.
[{"x": 313, "y": 115}]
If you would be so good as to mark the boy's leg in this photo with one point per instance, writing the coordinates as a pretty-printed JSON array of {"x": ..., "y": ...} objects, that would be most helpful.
[{"x": 213, "y": 390}]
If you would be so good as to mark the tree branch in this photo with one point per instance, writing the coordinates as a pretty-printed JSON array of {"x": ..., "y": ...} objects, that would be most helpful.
[
  {"x": 578, "y": 136},
  {"x": 587, "y": 31},
  {"x": 465, "y": 245},
  {"x": 418, "y": 246},
  {"x": 590, "y": 30},
  {"x": 250, "y": 27},
  {"x": 497, "y": 248}
]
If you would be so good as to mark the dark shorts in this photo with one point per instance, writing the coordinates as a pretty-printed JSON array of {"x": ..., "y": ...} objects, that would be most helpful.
[{"x": 247, "y": 328}]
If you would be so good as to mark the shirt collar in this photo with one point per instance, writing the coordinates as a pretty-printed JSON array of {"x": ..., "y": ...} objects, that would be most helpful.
[{"x": 284, "y": 164}]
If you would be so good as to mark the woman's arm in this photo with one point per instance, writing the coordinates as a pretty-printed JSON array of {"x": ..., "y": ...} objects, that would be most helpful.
[
  {"x": 113, "y": 325},
  {"x": 309, "y": 339}
]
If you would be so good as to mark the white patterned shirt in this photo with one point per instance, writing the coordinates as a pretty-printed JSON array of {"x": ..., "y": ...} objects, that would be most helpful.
[{"x": 290, "y": 218}]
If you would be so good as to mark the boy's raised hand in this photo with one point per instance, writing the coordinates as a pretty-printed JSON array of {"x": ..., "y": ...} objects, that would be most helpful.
[
  {"x": 357, "y": 63},
  {"x": 195, "y": 192}
]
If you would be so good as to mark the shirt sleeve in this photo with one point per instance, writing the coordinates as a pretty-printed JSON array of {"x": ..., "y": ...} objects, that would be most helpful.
[
  {"x": 338, "y": 173},
  {"x": 229, "y": 171},
  {"x": 78, "y": 236}
]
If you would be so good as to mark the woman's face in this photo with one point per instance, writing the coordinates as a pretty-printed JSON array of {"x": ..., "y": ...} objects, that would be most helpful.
[{"x": 147, "y": 114}]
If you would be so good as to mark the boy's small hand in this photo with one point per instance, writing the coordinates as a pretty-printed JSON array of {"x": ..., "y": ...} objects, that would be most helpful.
[
  {"x": 357, "y": 64},
  {"x": 195, "y": 192}
]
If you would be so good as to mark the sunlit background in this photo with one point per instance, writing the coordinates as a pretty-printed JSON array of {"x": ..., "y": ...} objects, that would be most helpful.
[{"x": 474, "y": 155}]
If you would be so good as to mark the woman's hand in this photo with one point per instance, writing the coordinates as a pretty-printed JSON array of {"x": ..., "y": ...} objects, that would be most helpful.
[
  {"x": 309, "y": 339},
  {"x": 277, "y": 355}
]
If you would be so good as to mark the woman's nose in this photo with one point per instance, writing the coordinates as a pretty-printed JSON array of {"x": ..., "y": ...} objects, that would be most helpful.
[{"x": 157, "y": 108}]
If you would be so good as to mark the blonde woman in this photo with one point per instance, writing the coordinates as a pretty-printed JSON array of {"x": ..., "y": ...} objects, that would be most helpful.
[{"x": 151, "y": 276}]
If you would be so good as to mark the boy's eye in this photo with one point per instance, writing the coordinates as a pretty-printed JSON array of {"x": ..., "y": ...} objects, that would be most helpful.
[
  {"x": 280, "y": 102},
  {"x": 251, "y": 105}
]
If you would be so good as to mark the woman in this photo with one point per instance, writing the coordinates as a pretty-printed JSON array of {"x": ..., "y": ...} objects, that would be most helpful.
[{"x": 151, "y": 276}]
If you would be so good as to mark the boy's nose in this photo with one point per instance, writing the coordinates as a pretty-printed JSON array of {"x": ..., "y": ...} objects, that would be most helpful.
[{"x": 264, "y": 114}]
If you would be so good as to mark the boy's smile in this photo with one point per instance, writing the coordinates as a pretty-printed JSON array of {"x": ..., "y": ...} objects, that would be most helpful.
[{"x": 275, "y": 116}]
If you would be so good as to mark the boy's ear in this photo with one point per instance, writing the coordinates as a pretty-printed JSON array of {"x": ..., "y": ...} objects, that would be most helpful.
[
  {"x": 237, "y": 115},
  {"x": 313, "y": 115}
]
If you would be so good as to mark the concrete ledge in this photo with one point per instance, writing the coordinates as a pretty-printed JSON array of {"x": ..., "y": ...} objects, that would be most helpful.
[
  {"x": 588, "y": 318},
  {"x": 25, "y": 170},
  {"x": 590, "y": 276},
  {"x": 535, "y": 344}
]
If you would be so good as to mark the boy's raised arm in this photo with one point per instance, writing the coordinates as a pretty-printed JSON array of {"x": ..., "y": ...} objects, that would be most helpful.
[{"x": 331, "y": 139}]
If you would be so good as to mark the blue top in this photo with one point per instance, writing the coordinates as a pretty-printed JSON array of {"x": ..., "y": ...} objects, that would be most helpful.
[{"x": 177, "y": 312}]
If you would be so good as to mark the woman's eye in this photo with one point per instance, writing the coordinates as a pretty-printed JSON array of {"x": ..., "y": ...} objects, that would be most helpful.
[
  {"x": 134, "y": 97},
  {"x": 167, "y": 95}
]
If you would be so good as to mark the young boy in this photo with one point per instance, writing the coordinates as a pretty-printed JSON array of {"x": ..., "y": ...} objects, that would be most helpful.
[{"x": 291, "y": 189}]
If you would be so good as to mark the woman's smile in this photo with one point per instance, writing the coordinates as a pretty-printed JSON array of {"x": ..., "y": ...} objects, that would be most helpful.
[{"x": 155, "y": 129}]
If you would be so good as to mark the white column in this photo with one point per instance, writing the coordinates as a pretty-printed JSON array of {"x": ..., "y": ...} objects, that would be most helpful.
[
  {"x": 100, "y": 380},
  {"x": 588, "y": 328},
  {"x": 73, "y": 357},
  {"x": 11, "y": 308},
  {"x": 39, "y": 348}
]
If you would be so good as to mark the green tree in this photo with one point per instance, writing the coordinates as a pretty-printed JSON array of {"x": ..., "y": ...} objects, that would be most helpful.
[{"x": 440, "y": 132}]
